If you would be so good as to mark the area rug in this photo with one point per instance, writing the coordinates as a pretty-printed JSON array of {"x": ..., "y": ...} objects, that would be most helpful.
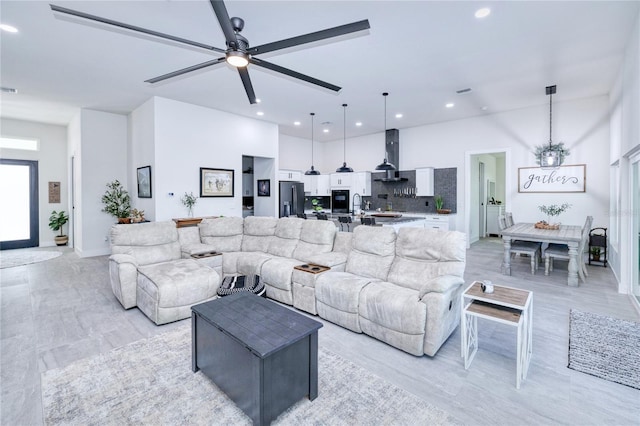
[
  {"x": 605, "y": 347},
  {"x": 151, "y": 382},
  {"x": 19, "y": 257}
]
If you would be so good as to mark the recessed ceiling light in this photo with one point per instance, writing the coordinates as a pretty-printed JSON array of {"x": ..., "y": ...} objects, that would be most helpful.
[
  {"x": 483, "y": 13},
  {"x": 258, "y": 100},
  {"x": 359, "y": 123},
  {"x": 8, "y": 28},
  {"x": 260, "y": 113},
  {"x": 296, "y": 123},
  {"x": 484, "y": 108},
  {"x": 398, "y": 115},
  {"x": 450, "y": 105},
  {"x": 326, "y": 130}
]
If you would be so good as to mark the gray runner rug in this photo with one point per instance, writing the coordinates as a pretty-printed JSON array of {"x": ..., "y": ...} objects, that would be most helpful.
[
  {"x": 605, "y": 347},
  {"x": 151, "y": 382}
]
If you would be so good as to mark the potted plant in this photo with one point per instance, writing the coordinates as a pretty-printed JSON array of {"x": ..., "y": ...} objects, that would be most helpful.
[
  {"x": 595, "y": 253},
  {"x": 439, "y": 204},
  {"x": 117, "y": 202},
  {"x": 137, "y": 215},
  {"x": 189, "y": 200},
  {"x": 56, "y": 222}
]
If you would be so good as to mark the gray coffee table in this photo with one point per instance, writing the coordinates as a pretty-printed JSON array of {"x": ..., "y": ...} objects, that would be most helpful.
[{"x": 262, "y": 355}]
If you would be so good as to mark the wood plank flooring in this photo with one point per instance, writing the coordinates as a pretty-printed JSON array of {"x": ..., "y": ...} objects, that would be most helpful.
[{"x": 56, "y": 312}]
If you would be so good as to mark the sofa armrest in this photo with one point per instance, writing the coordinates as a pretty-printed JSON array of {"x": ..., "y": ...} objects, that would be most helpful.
[
  {"x": 440, "y": 284},
  {"x": 330, "y": 259},
  {"x": 123, "y": 258}
]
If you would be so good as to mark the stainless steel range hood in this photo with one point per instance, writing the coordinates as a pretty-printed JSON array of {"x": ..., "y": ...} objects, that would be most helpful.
[{"x": 392, "y": 147}]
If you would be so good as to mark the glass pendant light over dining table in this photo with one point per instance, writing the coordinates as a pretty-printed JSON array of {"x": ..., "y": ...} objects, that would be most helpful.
[
  {"x": 312, "y": 171},
  {"x": 551, "y": 157},
  {"x": 385, "y": 165},
  {"x": 344, "y": 168}
]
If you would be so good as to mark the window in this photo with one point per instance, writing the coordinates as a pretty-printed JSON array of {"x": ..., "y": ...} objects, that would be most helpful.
[{"x": 18, "y": 143}]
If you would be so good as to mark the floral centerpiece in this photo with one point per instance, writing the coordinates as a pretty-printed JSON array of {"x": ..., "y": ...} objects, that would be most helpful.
[
  {"x": 189, "y": 200},
  {"x": 552, "y": 210}
]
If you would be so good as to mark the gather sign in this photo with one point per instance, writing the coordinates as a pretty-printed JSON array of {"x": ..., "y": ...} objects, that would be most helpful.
[{"x": 561, "y": 179}]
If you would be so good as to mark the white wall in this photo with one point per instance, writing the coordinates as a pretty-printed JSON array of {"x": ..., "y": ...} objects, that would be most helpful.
[
  {"x": 101, "y": 159},
  {"x": 295, "y": 154},
  {"x": 142, "y": 153},
  {"x": 625, "y": 142},
  {"x": 52, "y": 167},
  {"x": 188, "y": 137}
]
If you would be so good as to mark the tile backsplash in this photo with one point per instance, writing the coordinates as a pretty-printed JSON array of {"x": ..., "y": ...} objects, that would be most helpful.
[{"x": 394, "y": 194}]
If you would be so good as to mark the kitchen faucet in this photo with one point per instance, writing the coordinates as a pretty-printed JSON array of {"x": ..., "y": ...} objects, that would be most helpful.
[{"x": 353, "y": 203}]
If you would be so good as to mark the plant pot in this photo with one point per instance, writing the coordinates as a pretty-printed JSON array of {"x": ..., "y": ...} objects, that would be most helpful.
[
  {"x": 124, "y": 220},
  {"x": 62, "y": 240},
  {"x": 596, "y": 257},
  {"x": 443, "y": 211}
]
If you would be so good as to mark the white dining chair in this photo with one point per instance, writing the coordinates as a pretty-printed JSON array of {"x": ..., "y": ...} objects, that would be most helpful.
[
  {"x": 530, "y": 248},
  {"x": 561, "y": 251}
]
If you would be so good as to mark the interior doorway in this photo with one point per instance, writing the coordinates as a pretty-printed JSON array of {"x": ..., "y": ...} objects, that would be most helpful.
[
  {"x": 19, "y": 190},
  {"x": 487, "y": 185}
]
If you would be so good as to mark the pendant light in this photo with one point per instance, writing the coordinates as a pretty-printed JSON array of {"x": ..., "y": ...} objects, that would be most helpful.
[
  {"x": 551, "y": 157},
  {"x": 385, "y": 165},
  {"x": 344, "y": 168},
  {"x": 312, "y": 171}
]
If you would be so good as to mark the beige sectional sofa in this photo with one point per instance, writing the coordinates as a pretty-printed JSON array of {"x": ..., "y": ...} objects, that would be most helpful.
[{"x": 403, "y": 289}]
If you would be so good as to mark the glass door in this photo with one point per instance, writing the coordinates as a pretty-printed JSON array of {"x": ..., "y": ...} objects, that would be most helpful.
[{"x": 19, "y": 195}]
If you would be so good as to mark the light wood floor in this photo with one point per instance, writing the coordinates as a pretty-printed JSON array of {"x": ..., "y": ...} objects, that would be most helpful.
[{"x": 56, "y": 312}]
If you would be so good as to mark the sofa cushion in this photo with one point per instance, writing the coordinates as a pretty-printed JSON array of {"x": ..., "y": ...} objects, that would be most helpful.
[
  {"x": 393, "y": 307},
  {"x": 178, "y": 283},
  {"x": 373, "y": 250},
  {"x": 223, "y": 233},
  {"x": 149, "y": 243},
  {"x": 286, "y": 237},
  {"x": 258, "y": 232},
  {"x": 422, "y": 254},
  {"x": 316, "y": 237},
  {"x": 340, "y": 290}
]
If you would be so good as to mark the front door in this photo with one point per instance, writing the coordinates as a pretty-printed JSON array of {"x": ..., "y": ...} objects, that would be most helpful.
[{"x": 19, "y": 195}]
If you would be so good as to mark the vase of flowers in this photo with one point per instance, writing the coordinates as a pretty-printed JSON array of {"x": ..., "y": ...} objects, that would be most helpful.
[
  {"x": 554, "y": 210},
  {"x": 189, "y": 200}
]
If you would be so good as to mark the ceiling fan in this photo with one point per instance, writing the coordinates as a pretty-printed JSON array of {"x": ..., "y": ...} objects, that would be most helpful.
[{"x": 238, "y": 52}]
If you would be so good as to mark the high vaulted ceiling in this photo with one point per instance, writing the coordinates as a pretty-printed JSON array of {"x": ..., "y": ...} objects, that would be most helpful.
[{"x": 420, "y": 52}]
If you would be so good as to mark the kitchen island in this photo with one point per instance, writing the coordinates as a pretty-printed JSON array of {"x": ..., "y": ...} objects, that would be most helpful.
[{"x": 397, "y": 220}]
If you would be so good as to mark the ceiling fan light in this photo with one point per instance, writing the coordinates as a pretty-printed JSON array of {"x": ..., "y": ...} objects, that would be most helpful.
[{"x": 237, "y": 59}]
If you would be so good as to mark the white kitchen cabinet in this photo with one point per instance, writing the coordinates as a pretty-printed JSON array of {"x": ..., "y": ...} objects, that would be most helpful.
[
  {"x": 341, "y": 180},
  {"x": 294, "y": 175},
  {"x": 441, "y": 222},
  {"x": 247, "y": 184},
  {"x": 424, "y": 182},
  {"x": 317, "y": 185},
  {"x": 493, "y": 212},
  {"x": 361, "y": 183}
]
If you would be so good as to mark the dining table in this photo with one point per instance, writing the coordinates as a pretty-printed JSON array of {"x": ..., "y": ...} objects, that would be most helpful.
[{"x": 570, "y": 235}]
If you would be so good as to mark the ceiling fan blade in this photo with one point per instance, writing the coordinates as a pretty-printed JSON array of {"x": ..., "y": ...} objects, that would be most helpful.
[
  {"x": 311, "y": 37},
  {"x": 248, "y": 87},
  {"x": 225, "y": 22},
  {"x": 186, "y": 70},
  {"x": 78, "y": 14},
  {"x": 277, "y": 68}
]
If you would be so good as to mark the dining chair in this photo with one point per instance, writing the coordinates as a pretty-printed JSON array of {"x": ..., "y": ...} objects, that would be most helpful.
[
  {"x": 345, "y": 220},
  {"x": 508, "y": 218},
  {"x": 530, "y": 248},
  {"x": 561, "y": 251}
]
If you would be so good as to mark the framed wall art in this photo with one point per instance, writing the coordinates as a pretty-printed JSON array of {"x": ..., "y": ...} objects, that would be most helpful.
[
  {"x": 216, "y": 182},
  {"x": 561, "y": 179},
  {"x": 144, "y": 182},
  {"x": 264, "y": 187}
]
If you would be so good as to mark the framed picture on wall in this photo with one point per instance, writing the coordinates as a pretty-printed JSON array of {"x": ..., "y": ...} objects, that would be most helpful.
[
  {"x": 216, "y": 182},
  {"x": 561, "y": 179},
  {"x": 144, "y": 182},
  {"x": 264, "y": 187}
]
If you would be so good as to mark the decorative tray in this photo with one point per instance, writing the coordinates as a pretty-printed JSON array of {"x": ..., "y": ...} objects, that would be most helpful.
[
  {"x": 208, "y": 254},
  {"x": 312, "y": 268},
  {"x": 545, "y": 225}
]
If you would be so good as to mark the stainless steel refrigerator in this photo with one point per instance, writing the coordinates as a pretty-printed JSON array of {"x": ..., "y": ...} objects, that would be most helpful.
[{"x": 291, "y": 198}]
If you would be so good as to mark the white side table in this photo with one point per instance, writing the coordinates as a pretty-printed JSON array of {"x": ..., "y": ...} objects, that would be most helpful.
[{"x": 506, "y": 305}]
